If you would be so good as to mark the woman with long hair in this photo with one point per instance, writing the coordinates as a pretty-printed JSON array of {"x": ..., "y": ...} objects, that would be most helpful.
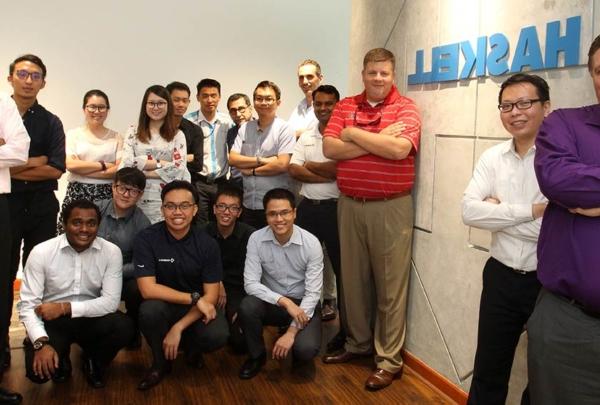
[{"x": 157, "y": 148}]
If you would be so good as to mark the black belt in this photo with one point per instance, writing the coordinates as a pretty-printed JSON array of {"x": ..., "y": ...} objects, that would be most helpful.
[
  {"x": 589, "y": 312},
  {"x": 373, "y": 199},
  {"x": 319, "y": 202},
  {"x": 208, "y": 180}
]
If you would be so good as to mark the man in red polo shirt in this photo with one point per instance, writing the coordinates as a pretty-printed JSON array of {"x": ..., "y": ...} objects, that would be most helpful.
[{"x": 374, "y": 136}]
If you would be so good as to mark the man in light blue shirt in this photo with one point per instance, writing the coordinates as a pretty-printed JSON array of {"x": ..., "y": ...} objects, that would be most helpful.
[
  {"x": 262, "y": 152},
  {"x": 283, "y": 277}
]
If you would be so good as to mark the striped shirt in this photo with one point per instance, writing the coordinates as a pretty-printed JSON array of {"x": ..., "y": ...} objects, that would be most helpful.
[{"x": 372, "y": 176}]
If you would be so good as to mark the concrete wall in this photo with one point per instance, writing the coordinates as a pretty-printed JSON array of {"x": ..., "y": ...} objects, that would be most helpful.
[{"x": 460, "y": 120}]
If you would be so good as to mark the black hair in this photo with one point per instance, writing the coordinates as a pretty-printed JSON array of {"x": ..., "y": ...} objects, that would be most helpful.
[
  {"x": 131, "y": 176},
  {"x": 542, "y": 88},
  {"x": 79, "y": 203},
  {"x": 179, "y": 185},
  {"x": 178, "y": 86},
  {"x": 327, "y": 89},
  {"x": 208, "y": 83},
  {"x": 279, "y": 194},
  {"x": 28, "y": 58},
  {"x": 95, "y": 92},
  {"x": 230, "y": 191}
]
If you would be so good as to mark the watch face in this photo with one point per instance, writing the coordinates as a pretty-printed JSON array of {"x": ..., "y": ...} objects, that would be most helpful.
[{"x": 37, "y": 345}]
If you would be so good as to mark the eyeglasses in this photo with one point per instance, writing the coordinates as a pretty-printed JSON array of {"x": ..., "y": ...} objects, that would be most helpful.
[
  {"x": 234, "y": 209},
  {"x": 239, "y": 110},
  {"x": 23, "y": 75},
  {"x": 121, "y": 189},
  {"x": 521, "y": 105},
  {"x": 184, "y": 206},
  {"x": 157, "y": 104},
  {"x": 93, "y": 108},
  {"x": 265, "y": 100},
  {"x": 282, "y": 214}
]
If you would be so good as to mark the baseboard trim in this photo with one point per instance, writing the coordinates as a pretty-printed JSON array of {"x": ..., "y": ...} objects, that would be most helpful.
[{"x": 434, "y": 378}]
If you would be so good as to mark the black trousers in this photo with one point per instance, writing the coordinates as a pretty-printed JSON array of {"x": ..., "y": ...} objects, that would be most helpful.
[
  {"x": 507, "y": 301},
  {"x": 5, "y": 272},
  {"x": 255, "y": 314},
  {"x": 207, "y": 194},
  {"x": 235, "y": 295},
  {"x": 133, "y": 299},
  {"x": 254, "y": 218},
  {"x": 321, "y": 220},
  {"x": 100, "y": 339},
  {"x": 157, "y": 317},
  {"x": 32, "y": 221}
]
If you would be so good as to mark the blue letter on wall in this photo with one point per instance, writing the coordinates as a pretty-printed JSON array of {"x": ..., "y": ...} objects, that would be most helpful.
[
  {"x": 569, "y": 44},
  {"x": 471, "y": 60},
  {"x": 496, "y": 60},
  {"x": 528, "y": 52},
  {"x": 444, "y": 63}
]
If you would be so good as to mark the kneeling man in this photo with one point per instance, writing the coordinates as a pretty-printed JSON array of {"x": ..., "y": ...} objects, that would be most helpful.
[
  {"x": 178, "y": 269},
  {"x": 70, "y": 293},
  {"x": 283, "y": 277}
]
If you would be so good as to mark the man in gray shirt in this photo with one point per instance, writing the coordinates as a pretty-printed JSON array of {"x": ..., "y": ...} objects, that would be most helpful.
[
  {"x": 283, "y": 277},
  {"x": 262, "y": 152},
  {"x": 121, "y": 222}
]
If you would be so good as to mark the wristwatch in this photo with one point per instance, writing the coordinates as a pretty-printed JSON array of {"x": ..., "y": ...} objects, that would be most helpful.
[
  {"x": 38, "y": 344},
  {"x": 158, "y": 165},
  {"x": 195, "y": 297}
]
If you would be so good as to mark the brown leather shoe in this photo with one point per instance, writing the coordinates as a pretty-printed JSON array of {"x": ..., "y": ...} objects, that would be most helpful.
[
  {"x": 341, "y": 357},
  {"x": 380, "y": 379}
]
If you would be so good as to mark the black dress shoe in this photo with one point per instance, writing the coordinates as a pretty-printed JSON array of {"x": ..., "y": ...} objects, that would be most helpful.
[
  {"x": 342, "y": 357},
  {"x": 251, "y": 367},
  {"x": 63, "y": 372},
  {"x": 9, "y": 397},
  {"x": 153, "y": 377},
  {"x": 94, "y": 374}
]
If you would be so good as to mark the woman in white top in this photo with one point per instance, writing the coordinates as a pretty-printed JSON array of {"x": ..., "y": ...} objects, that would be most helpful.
[
  {"x": 157, "y": 148},
  {"x": 92, "y": 153}
]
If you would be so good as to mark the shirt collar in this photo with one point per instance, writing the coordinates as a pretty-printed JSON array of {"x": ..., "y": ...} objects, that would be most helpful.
[
  {"x": 509, "y": 147},
  {"x": 64, "y": 243},
  {"x": 110, "y": 210},
  {"x": 201, "y": 117},
  {"x": 391, "y": 98},
  {"x": 296, "y": 238}
]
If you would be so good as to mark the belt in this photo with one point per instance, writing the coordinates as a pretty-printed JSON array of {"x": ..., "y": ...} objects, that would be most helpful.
[
  {"x": 319, "y": 202},
  {"x": 589, "y": 312},
  {"x": 208, "y": 180},
  {"x": 372, "y": 199}
]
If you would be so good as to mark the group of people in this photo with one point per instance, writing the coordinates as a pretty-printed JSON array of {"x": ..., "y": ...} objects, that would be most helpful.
[{"x": 192, "y": 220}]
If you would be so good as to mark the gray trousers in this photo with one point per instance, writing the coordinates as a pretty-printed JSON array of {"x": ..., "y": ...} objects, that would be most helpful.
[{"x": 563, "y": 353}]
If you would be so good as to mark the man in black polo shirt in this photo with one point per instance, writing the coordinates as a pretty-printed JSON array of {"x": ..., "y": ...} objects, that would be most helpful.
[
  {"x": 33, "y": 206},
  {"x": 194, "y": 137},
  {"x": 232, "y": 237},
  {"x": 178, "y": 268}
]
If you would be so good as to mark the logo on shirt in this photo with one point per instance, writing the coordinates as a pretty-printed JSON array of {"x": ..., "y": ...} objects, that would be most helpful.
[
  {"x": 141, "y": 266},
  {"x": 171, "y": 260}
]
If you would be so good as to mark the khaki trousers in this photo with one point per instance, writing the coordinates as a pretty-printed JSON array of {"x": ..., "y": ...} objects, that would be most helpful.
[{"x": 376, "y": 245}]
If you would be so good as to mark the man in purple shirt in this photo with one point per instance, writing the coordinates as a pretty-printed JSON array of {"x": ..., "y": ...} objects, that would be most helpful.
[{"x": 564, "y": 329}]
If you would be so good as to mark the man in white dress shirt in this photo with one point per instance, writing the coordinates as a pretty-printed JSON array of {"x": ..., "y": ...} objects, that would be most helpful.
[
  {"x": 14, "y": 148},
  {"x": 70, "y": 293},
  {"x": 215, "y": 126},
  {"x": 309, "y": 78},
  {"x": 504, "y": 197}
]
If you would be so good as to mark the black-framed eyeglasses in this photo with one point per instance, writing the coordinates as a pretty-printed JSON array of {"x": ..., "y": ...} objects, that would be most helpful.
[
  {"x": 93, "y": 108},
  {"x": 23, "y": 75},
  {"x": 121, "y": 189},
  {"x": 234, "y": 209},
  {"x": 521, "y": 105},
  {"x": 265, "y": 100},
  {"x": 239, "y": 110},
  {"x": 282, "y": 213},
  {"x": 184, "y": 206},
  {"x": 157, "y": 104}
]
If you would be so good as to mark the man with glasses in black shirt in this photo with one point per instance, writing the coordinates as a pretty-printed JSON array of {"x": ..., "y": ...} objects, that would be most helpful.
[
  {"x": 178, "y": 270},
  {"x": 232, "y": 237},
  {"x": 121, "y": 221},
  {"x": 32, "y": 203}
]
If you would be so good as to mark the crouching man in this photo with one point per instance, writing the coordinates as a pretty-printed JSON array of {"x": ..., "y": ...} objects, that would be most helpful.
[
  {"x": 70, "y": 293},
  {"x": 283, "y": 277}
]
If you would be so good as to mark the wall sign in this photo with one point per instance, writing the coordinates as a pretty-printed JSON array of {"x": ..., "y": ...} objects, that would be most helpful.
[{"x": 490, "y": 55}]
